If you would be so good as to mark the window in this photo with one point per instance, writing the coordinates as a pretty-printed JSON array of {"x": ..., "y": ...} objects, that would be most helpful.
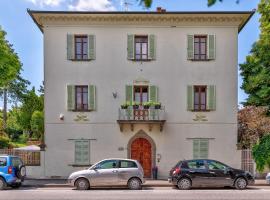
[
  {"x": 3, "y": 162},
  {"x": 200, "y": 47},
  {"x": 127, "y": 164},
  {"x": 214, "y": 165},
  {"x": 82, "y": 155},
  {"x": 141, "y": 94},
  {"x": 81, "y": 47},
  {"x": 141, "y": 47},
  {"x": 200, "y": 148},
  {"x": 81, "y": 97},
  {"x": 200, "y": 98},
  {"x": 16, "y": 162},
  {"x": 196, "y": 164},
  {"x": 107, "y": 164}
]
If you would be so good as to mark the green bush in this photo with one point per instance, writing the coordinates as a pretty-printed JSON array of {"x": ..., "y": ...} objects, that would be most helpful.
[
  {"x": 4, "y": 142},
  {"x": 13, "y": 133}
]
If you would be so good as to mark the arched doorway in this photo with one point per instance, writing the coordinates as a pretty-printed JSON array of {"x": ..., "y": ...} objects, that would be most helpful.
[{"x": 141, "y": 150}]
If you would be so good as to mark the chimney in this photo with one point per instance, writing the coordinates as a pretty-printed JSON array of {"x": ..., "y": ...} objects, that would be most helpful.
[{"x": 159, "y": 9}]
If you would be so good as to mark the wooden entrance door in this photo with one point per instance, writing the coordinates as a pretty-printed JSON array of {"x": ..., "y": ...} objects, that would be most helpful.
[{"x": 141, "y": 150}]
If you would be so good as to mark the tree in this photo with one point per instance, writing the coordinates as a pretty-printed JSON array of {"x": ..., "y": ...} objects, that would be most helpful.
[
  {"x": 148, "y": 3},
  {"x": 31, "y": 102},
  {"x": 37, "y": 124},
  {"x": 253, "y": 124},
  {"x": 10, "y": 67},
  {"x": 256, "y": 69},
  {"x": 12, "y": 93},
  {"x": 261, "y": 153}
]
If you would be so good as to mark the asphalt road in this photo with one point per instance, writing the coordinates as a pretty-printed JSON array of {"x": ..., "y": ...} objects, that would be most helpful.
[{"x": 145, "y": 194}]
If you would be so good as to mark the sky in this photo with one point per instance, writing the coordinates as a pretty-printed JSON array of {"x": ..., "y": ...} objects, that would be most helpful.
[{"x": 27, "y": 39}]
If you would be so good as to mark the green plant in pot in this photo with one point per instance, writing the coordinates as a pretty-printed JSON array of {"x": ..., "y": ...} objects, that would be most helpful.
[
  {"x": 146, "y": 105},
  {"x": 125, "y": 105},
  {"x": 135, "y": 105},
  {"x": 157, "y": 105}
]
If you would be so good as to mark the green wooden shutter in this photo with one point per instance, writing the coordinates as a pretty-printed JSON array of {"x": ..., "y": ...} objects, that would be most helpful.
[
  {"x": 190, "y": 97},
  {"x": 196, "y": 148},
  {"x": 204, "y": 148},
  {"x": 70, "y": 97},
  {"x": 130, "y": 47},
  {"x": 70, "y": 47},
  {"x": 152, "y": 47},
  {"x": 190, "y": 47},
  {"x": 91, "y": 47},
  {"x": 91, "y": 97},
  {"x": 211, "y": 97},
  {"x": 211, "y": 47},
  {"x": 82, "y": 152},
  {"x": 153, "y": 93},
  {"x": 129, "y": 93}
]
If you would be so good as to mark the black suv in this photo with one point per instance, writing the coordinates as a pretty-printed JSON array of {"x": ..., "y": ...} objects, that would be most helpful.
[{"x": 209, "y": 173}]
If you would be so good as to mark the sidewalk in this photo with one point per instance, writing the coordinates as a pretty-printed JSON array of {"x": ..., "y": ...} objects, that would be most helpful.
[{"x": 148, "y": 183}]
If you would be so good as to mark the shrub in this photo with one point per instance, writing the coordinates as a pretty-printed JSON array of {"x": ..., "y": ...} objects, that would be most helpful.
[{"x": 4, "y": 142}]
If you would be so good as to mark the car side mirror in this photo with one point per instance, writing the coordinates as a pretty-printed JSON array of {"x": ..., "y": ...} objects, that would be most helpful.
[
  {"x": 227, "y": 170},
  {"x": 96, "y": 168}
]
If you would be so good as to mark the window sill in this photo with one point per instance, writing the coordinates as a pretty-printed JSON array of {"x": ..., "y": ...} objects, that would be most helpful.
[
  {"x": 201, "y": 110},
  {"x": 81, "y": 60},
  {"x": 80, "y": 165},
  {"x": 81, "y": 110},
  {"x": 200, "y": 60},
  {"x": 142, "y": 60}
]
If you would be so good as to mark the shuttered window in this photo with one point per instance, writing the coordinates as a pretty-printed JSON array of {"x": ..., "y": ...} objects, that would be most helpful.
[
  {"x": 82, "y": 152},
  {"x": 200, "y": 148},
  {"x": 81, "y": 47},
  {"x": 201, "y": 98},
  {"x": 201, "y": 47},
  {"x": 141, "y": 47},
  {"x": 81, "y": 97}
]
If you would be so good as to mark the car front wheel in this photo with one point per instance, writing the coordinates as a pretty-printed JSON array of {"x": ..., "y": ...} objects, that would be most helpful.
[
  {"x": 82, "y": 184},
  {"x": 134, "y": 184},
  {"x": 184, "y": 184},
  {"x": 3, "y": 184},
  {"x": 240, "y": 183}
]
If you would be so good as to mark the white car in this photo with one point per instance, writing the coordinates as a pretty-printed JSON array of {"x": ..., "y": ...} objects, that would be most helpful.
[{"x": 268, "y": 178}]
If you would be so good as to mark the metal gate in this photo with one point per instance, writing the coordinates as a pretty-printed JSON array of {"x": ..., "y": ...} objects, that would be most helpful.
[{"x": 247, "y": 162}]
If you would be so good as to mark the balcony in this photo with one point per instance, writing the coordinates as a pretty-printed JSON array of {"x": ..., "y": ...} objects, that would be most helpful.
[{"x": 133, "y": 116}]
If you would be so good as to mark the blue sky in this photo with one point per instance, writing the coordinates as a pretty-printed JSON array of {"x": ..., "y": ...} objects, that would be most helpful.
[{"x": 28, "y": 42}]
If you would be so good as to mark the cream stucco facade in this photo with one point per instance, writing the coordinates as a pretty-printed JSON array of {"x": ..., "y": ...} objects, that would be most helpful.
[{"x": 111, "y": 71}]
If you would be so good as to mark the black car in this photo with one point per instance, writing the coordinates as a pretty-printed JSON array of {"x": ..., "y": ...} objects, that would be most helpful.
[{"x": 208, "y": 173}]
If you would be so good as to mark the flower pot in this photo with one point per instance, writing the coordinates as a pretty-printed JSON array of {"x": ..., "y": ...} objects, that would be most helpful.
[
  {"x": 135, "y": 106},
  {"x": 157, "y": 106},
  {"x": 146, "y": 107}
]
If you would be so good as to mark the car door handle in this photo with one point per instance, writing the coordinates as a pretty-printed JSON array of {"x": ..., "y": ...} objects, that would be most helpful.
[
  {"x": 192, "y": 171},
  {"x": 114, "y": 171},
  {"x": 212, "y": 173}
]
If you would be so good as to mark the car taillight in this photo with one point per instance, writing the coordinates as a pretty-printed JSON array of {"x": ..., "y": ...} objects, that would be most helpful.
[
  {"x": 176, "y": 171},
  {"x": 10, "y": 170}
]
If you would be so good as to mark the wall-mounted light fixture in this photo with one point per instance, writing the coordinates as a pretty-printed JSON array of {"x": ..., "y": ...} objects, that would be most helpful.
[
  {"x": 61, "y": 116},
  {"x": 114, "y": 94},
  {"x": 158, "y": 157}
]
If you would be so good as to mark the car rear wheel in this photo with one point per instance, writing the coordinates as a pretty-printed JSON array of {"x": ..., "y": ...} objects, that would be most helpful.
[
  {"x": 134, "y": 184},
  {"x": 184, "y": 184},
  {"x": 16, "y": 185},
  {"x": 82, "y": 184},
  {"x": 3, "y": 184},
  {"x": 240, "y": 183}
]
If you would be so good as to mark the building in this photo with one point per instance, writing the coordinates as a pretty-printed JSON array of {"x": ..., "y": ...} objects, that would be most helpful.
[{"x": 94, "y": 62}]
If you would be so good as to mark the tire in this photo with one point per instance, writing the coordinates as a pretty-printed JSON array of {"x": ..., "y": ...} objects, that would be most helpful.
[
  {"x": 184, "y": 184},
  {"x": 3, "y": 184},
  {"x": 16, "y": 186},
  {"x": 240, "y": 183},
  {"x": 135, "y": 184},
  {"x": 82, "y": 184},
  {"x": 21, "y": 172}
]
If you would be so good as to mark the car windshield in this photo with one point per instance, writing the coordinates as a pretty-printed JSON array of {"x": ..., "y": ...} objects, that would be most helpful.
[{"x": 16, "y": 162}]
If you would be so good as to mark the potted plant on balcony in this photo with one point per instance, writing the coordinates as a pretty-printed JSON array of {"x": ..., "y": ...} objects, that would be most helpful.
[
  {"x": 147, "y": 104},
  {"x": 157, "y": 105},
  {"x": 125, "y": 105},
  {"x": 135, "y": 105}
]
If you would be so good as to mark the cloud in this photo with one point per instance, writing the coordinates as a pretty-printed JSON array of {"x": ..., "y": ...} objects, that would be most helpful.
[
  {"x": 92, "y": 5},
  {"x": 52, "y": 3}
]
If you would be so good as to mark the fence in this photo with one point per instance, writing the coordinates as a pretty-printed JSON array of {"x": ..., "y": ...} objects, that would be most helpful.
[
  {"x": 247, "y": 162},
  {"x": 29, "y": 158}
]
